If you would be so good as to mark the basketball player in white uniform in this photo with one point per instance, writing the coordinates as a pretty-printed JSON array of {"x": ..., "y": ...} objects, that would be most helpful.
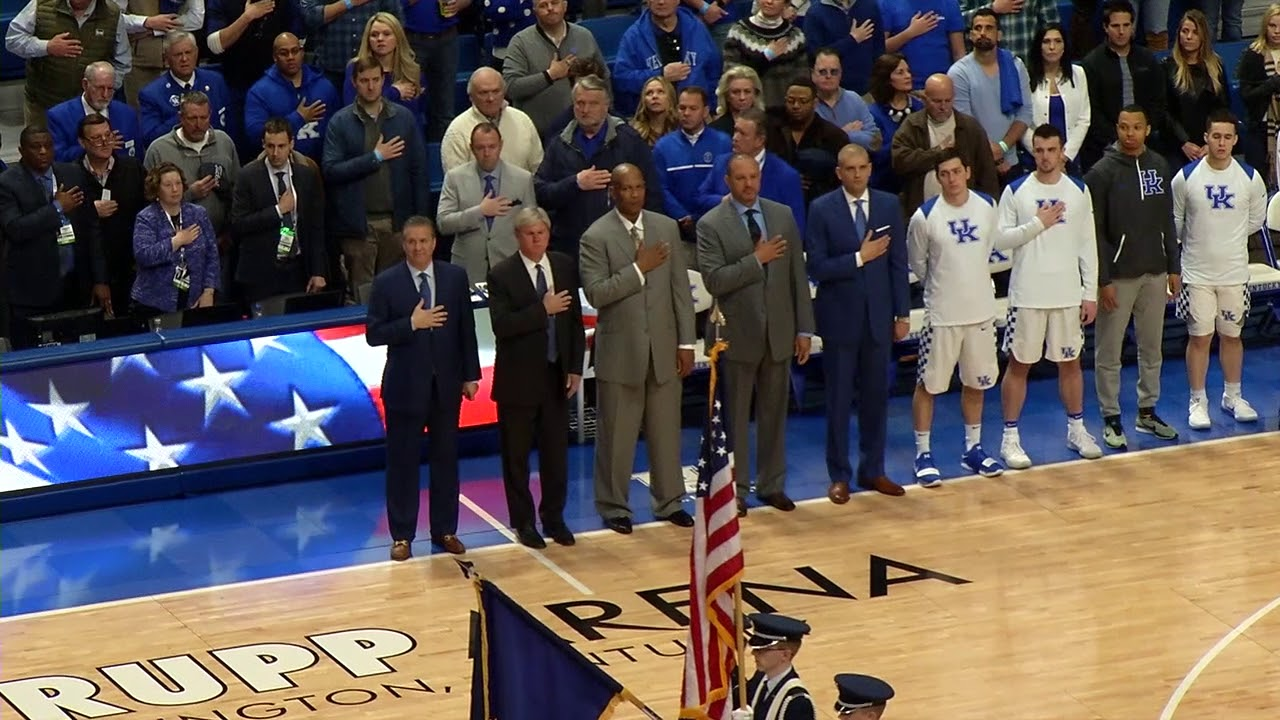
[
  {"x": 1217, "y": 204},
  {"x": 1053, "y": 293},
  {"x": 949, "y": 243}
]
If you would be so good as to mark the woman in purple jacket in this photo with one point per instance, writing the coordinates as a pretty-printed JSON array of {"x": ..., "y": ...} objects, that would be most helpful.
[{"x": 175, "y": 248}]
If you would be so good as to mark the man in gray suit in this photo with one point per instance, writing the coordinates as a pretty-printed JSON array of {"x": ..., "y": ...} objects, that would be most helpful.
[
  {"x": 750, "y": 256},
  {"x": 644, "y": 345},
  {"x": 479, "y": 200}
]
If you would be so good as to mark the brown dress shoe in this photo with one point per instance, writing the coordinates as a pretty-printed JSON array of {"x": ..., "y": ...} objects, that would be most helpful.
[
  {"x": 450, "y": 544},
  {"x": 401, "y": 550},
  {"x": 883, "y": 485},
  {"x": 838, "y": 493}
]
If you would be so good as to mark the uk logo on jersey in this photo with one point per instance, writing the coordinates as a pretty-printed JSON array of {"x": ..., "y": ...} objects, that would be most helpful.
[
  {"x": 1152, "y": 183},
  {"x": 1042, "y": 203},
  {"x": 963, "y": 230},
  {"x": 1218, "y": 195}
]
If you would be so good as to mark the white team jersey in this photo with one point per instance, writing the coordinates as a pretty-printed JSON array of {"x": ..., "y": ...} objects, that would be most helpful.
[
  {"x": 949, "y": 248},
  {"x": 1059, "y": 268},
  {"x": 1215, "y": 212}
]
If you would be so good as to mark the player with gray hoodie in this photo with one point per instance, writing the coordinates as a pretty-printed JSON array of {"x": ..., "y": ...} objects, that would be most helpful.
[{"x": 1138, "y": 269}]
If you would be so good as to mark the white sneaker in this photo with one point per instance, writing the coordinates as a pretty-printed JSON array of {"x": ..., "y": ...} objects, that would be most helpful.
[
  {"x": 1198, "y": 414},
  {"x": 1240, "y": 409},
  {"x": 1083, "y": 443},
  {"x": 1015, "y": 458}
]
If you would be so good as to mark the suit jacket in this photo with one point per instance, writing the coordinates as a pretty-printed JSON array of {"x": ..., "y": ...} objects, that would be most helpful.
[
  {"x": 520, "y": 329},
  {"x": 637, "y": 322},
  {"x": 849, "y": 296},
  {"x": 29, "y": 224},
  {"x": 478, "y": 247},
  {"x": 257, "y": 225},
  {"x": 761, "y": 304},
  {"x": 446, "y": 356}
]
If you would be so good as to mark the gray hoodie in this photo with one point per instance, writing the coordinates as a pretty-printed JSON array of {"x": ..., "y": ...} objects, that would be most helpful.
[
  {"x": 1133, "y": 214},
  {"x": 528, "y": 85}
]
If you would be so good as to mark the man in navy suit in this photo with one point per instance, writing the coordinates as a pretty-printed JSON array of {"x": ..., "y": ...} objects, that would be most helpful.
[
  {"x": 857, "y": 253},
  {"x": 421, "y": 310}
]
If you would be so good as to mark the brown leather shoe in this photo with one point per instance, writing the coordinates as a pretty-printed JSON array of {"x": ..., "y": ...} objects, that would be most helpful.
[
  {"x": 883, "y": 485},
  {"x": 838, "y": 493},
  {"x": 450, "y": 544},
  {"x": 401, "y": 550}
]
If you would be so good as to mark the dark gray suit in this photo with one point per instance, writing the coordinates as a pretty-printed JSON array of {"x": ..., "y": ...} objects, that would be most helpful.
[
  {"x": 639, "y": 329},
  {"x": 765, "y": 308},
  {"x": 478, "y": 247}
]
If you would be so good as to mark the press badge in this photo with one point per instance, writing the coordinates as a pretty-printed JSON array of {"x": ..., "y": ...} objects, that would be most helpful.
[
  {"x": 284, "y": 248},
  {"x": 66, "y": 235},
  {"x": 181, "y": 278}
]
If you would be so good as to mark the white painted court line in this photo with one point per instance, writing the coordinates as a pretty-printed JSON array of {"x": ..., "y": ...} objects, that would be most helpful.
[
  {"x": 511, "y": 536},
  {"x": 1174, "y": 700},
  {"x": 581, "y": 535}
]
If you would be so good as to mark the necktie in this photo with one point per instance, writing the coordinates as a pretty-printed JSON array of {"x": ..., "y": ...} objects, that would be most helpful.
[
  {"x": 424, "y": 288},
  {"x": 281, "y": 186},
  {"x": 540, "y": 285},
  {"x": 489, "y": 191},
  {"x": 859, "y": 221},
  {"x": 753, "y": 227},
  {"x": 636, "y": 237},
  {"x": 66, "y": 253}
]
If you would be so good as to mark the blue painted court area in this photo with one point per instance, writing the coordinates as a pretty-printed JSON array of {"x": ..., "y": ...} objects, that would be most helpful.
[{"x": 335, "y": 522}]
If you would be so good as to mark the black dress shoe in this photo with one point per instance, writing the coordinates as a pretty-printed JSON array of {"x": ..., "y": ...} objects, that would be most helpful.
[
  {"x": 679, "y": 518},
  {"x": 742, "y": 508},
  {"x": 559, "y": 533},
  {"x": 778, "y": 500},
  {"x": 529, "y": 537},
  {"x": 619, "y": 524}
]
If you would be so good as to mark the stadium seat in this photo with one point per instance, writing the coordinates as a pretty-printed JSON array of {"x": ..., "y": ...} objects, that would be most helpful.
[{"x": 608, "y": 32}]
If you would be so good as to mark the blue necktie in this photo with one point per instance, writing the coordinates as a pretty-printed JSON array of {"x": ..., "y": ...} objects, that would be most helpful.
[
  {"x": 859, "y": 221},
  {"x": 424, "y": 288},
  {"x": 540, "y": 285},
  {"x": 489, "y": 190},
  {"x": 66, "y": 253}
]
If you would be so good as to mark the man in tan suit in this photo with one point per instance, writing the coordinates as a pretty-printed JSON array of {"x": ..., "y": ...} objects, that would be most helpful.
[
  {"x": 478, "y": 202},
  {"x": 750, "y": 256},
  {"x": 644, "y": 345}
]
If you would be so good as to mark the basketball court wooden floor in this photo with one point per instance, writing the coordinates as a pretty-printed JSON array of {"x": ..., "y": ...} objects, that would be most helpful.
[{"x": 1138, "y": 586}]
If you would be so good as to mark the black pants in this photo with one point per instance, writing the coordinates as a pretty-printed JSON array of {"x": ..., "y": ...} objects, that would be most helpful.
[
  {"x": 404, "y": 444},
  {"x": 547, "y": 425}
]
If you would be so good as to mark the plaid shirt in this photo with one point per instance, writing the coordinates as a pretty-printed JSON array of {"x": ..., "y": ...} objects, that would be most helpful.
[
  {"x": 336, "y": 43},
  {"x": 1017, "y": 30}
]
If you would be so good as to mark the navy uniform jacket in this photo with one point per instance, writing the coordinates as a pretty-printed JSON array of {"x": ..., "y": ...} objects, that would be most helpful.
[{"x": 791, "y": 703}]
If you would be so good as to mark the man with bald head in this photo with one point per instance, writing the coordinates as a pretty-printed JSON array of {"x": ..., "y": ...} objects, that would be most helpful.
[
  {"x": 751, "y": 259},
  {"x": 643, "y": 350},
  {"x": 295, "y": 91},
  {"x": 856, "y": 250},
  {"x": 925, "y": 135},
  {"x": 488, "y": 93}
]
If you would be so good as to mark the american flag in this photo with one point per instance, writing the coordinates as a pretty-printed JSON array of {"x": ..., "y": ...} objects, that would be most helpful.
[{"x": 716, "y": 565}]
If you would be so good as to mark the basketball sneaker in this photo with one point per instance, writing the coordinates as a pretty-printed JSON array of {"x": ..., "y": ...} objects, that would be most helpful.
[
  {"x": 1239, "y": 408},
  {"x": 1151, "y": 424},
  {"x": 1113, "y": 433},
  {"x": 1198, "y": 414},
  {"x": 976, "y": 460},
  {"x": 927, "y": 474},
  {"x": 1080, "y": 441},
  {"x": 1013, "y": 455}
]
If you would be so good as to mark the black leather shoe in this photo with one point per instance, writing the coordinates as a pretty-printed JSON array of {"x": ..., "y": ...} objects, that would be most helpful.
[
  {"x": 529, "y": 537},
  {"x": 778, "y": 500},
  {"x": 679, "y": 518},
  {"x": 559, "y": 533},
  {"x": 620, "y": 525},
  {"x": 742, "y": 508}
]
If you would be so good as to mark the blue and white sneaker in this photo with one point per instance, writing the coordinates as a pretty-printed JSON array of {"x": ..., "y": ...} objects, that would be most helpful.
[
  {"x": 976, "y": 460},
  {"x": 927, "y": 474}
]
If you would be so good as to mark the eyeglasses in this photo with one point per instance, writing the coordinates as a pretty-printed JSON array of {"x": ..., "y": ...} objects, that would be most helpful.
[
  {"x": 100, "y": 140},
  {"x": 828, "y": 72}
]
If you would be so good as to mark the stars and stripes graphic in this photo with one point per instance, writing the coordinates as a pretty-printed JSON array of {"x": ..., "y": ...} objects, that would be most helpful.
[{"x": 716, "y": 566}]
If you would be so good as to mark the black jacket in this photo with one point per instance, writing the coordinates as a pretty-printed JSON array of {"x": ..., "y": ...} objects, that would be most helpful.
[
  {"x": 1106, "y": 97},
  {"x": 1188, "y": 111},
  {"x": 1256, "y": 87},
  {"x": 125, "y": 183},
  {"x": 1133, "y": 215},
  {"x": 256, "y": 224}
]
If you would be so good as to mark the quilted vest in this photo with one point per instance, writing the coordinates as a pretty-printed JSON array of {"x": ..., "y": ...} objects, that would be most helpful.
[{"x": 51, "y": 80}]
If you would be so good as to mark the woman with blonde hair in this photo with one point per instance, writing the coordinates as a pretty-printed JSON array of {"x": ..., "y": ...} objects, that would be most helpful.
[
  {"x": 738, "y": 90},
  {"x": 656, "y": 115},
  {"x": 385, "y": 42},
  {"x": 1197, "y": 86},
  {"x": 1259, "y": 75}
]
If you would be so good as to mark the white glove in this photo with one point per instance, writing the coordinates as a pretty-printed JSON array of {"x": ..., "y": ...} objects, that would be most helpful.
[{"x": 742, "y": 714}]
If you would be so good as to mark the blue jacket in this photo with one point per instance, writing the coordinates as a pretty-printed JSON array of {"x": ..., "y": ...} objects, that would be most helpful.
[
  {"x": 346, "y": 164},
  {"x": 827, "y": 24},
  {"x": 779, "y": 182},
  {"x": 882, "y": 175},
  {"x": 158, "y": 104},
  {"x": 556, "y": 182},
  {"x": 851, "y": 306},
  {"x": 64, "y": 119},
  {"x": 682, "y": 168},
  {"x": 424, "y": 16},
  {"x": 274, "y": 96},
  {"x": 638, "y": 59},
  {"x": 417, "y": 106}
]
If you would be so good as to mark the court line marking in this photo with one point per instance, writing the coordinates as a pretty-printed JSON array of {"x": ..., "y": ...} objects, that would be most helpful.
[
  {"x": 511, "y": 536},
  {"x": 586, "y": 534},
  {"x": 1185, "y": 686}
]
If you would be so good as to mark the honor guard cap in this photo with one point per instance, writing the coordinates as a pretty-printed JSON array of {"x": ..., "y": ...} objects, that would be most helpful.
[
  {"x": 767, "y": 629},
  {"x": 861, "y": 691}
]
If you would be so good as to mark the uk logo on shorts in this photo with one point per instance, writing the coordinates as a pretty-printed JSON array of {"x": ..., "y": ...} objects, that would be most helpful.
[
  {"x": 963, "y": 230},
  {"x": 1068, "y": 353},
  {"x": 1218, "y": 195}
]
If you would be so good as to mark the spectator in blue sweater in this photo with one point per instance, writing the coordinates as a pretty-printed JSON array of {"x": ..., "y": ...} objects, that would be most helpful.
[
  {"x": 843, "y": 108},
  {"x": 384, "y": 42},
  {"x": 892, "y": 102},
  {"x": 665, "y": 40},
  {"x": 299, "y": 93},
  {"x": 683, "y": 158},
  {"x": 572, "y": 183},
  {"x": 99, "y": 85},
  {"x": 779, "y": 181},
  {"x": 158, "y": 101},
  {"x": 851, "y": 28}
]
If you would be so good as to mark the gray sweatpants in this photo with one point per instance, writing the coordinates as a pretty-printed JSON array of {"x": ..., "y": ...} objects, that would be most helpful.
[{"x": 1144, "y": 299}]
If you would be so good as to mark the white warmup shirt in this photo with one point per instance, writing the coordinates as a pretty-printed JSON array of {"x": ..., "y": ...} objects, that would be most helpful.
[
  {"x": 1215, "y": 212},
  {"x": 949, "y": 248},
  {"x": 1041, "y": 276}
]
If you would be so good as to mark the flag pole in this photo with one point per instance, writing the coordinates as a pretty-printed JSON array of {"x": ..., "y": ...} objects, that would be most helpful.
[{"x": 739, "y": 622}]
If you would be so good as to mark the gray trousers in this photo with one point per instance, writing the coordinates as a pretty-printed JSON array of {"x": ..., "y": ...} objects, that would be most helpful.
[
  {"x": 621, "y": 408},
  {"x": 771, "y": 382},
  {"x": 1143, "y": 299}
]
